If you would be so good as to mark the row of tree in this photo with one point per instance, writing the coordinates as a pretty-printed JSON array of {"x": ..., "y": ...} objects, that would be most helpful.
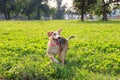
[
  {"x": 98, "y": 7},
  {"x": 33, "y": 9}
]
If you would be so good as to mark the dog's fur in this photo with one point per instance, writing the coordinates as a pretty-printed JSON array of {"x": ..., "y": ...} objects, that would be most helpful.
[{"x": 57, "y": 45}]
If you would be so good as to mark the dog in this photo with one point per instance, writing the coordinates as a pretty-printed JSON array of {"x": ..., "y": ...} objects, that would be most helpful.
[{"x": 57, "y": 45}]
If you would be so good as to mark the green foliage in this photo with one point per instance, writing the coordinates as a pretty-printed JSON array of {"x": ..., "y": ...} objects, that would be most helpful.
[
  {"x": 98, "y": 7},
  {"x": 7, "y": 7},
  {"x": 93, "y": 55},
  {"x": 84, "y": 6},
  {"x": 87, "y": 4},
  {"x": 32, "y": 9}
]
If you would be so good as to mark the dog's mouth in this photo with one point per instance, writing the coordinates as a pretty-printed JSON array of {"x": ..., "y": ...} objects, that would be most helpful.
[{"x": 56, "y": 41}]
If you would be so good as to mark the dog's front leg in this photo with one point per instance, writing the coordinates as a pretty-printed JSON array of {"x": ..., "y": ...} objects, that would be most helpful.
[
  {"x": 52, "y": 57},
  {"x": 55, "y": 60}
]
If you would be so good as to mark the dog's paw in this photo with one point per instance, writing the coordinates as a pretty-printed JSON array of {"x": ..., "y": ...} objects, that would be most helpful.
[{"x": 56, "y": 61}]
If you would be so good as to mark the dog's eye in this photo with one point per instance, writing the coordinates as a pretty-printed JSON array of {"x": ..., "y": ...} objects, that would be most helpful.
[{"x": 54, "y": 34}]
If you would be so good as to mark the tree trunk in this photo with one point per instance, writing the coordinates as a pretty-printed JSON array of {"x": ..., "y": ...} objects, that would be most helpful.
[
  {"x": 28, "y": 16},
  {"x": 38, "y": 9},
  {"x": 38, "y": 12},
  {"x": 6, "y": 13},
  {"x": 82, "y": 11},
  {"x": 104, "y": 11}
]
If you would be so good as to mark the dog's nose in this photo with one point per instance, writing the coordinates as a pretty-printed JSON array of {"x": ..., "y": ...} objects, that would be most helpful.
[{"x": 58, "y": 37}]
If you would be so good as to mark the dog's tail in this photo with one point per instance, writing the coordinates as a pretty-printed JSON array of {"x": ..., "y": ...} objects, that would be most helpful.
[{"x": 70, "y": 37}]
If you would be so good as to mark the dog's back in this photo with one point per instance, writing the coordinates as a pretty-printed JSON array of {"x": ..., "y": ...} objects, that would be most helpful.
[
  {"x": 62, "y": 41},
  {"x": 63, "y": 44}
]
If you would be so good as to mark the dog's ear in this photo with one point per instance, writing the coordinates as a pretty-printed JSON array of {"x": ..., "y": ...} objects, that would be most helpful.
[
  {"x": 49, "y": 34},
  {"x": 60, "y": 30}
]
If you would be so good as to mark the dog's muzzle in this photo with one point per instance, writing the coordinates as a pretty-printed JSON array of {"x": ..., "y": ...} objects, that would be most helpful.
[{"x": 57, "y": 40}]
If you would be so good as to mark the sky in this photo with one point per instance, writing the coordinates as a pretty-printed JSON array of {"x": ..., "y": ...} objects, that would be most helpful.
[{"x": 68, "y": 2}]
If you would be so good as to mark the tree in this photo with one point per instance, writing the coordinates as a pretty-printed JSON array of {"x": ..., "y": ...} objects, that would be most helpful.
[
  {"x": 105, "y": 7},
  {"x": 29, "y": 8},
  {"x": 36, "y": 8},
  {"x": 60, "y": 9},
  {"x": 83, "y": 6},
  {"x": 7, "y": 7},
  {"x": 39, "y": 6},
  {"x": 46, "y": 10},
  {"x": 52, "y": 12}
]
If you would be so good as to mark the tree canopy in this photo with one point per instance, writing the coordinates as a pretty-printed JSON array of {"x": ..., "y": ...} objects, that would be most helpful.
[
  {"x": 29, "y": 8},
  {"x": 83, "y": 6},
  {"x": 100, "y": 7}
]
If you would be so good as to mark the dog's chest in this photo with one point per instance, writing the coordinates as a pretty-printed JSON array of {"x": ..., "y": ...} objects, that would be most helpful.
[{"x": 54, "y": 50}]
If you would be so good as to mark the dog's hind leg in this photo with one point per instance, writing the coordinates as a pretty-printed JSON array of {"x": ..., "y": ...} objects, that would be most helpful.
[
  {"x": 60, "y": 56},
  {"x": 63, "y": 56}
]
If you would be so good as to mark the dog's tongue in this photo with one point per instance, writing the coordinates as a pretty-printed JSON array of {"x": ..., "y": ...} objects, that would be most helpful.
[{"x": 57, "y": 42}]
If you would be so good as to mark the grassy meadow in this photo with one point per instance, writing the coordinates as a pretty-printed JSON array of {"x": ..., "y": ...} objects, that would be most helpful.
[{"x": 93, "y": 55}]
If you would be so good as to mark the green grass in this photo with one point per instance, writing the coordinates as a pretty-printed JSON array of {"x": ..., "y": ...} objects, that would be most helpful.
[{"x": 93, "y": 55}]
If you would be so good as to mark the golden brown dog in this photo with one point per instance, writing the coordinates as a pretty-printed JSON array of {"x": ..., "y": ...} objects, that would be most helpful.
[{"x": 57, "y": 45}]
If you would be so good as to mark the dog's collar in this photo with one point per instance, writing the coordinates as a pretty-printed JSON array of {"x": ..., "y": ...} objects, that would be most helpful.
[{"x": 53, "y": 44}]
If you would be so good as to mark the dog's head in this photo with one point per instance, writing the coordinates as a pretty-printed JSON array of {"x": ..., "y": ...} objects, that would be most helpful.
[{"x": 55, "y": 34}]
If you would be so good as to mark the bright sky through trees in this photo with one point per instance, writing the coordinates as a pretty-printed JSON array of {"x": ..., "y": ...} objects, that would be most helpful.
[{"x": 67, "y": 2}]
